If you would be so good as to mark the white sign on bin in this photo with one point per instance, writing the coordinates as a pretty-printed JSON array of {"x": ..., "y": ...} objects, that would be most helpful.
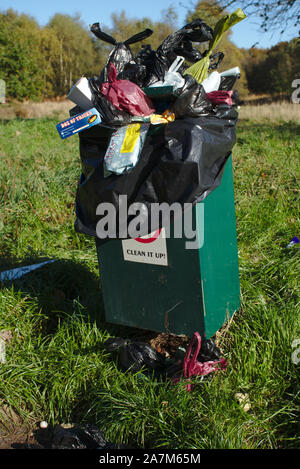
[{"x": 149, "y": 249}]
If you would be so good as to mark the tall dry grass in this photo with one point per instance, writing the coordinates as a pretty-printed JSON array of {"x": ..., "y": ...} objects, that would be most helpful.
[
  {"x": 271, "y": 112},
  {"x": 31, "y": 110},
  {"x": 274, "y": 112}
]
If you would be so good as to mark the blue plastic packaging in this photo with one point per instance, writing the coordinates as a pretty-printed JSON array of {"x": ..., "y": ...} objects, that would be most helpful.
[{"x": 78, "y": 123}]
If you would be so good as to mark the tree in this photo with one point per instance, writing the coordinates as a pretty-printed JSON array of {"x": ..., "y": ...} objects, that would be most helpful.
[
  {"x": 50, "y": 48},
  {"x": 209, "y": 10},
  {"x": 273, "y": 70},
  {"x": 75, "y": 54},
  {"x": 38, "y": 62},
  {"x": 274, "y": 14},
  {"x": 124, "y": 27},
  {"x": 252, "y": 64},
  {"x": 21, "y": 60}
]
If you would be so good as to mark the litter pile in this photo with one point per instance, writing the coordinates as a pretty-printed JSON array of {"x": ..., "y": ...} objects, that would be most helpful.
[
  {"x": 79, "y": 437},
  {"x": 196, "y": 357},
  {"x": 68, "y": 436},
  {"x": 155, "y": 127}
]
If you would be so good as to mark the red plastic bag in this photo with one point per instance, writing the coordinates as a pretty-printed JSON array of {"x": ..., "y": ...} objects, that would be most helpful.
[
  {"x": 125, "y": 95},
  {"x": 220, "y": 97},
  {"x": 192, "y": 367}
]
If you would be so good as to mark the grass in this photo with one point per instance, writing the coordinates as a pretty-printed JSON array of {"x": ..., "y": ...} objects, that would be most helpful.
[{"x": 56, "y": 368}]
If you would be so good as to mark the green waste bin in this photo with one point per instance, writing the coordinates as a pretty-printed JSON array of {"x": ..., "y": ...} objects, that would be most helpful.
[{"x": 175, "y": 289}]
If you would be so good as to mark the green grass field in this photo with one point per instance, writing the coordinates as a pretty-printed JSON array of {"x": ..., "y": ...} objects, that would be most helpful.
[{"x": 56, "y": 368}]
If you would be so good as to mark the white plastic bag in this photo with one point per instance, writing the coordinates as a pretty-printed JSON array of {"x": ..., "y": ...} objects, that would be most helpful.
[
  {"x": 230, "y": 72},
  {"x": 212, "y": 82},
  {"x": 172, "y": 77},
  {"x": 81, "y": 94}
]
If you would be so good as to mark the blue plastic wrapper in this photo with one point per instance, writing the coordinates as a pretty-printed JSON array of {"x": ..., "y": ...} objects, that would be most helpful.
[
  {"x": 78, "y": 123},
  {"x": 293, "y": 241},
  {"x": 125, "y": 147}
]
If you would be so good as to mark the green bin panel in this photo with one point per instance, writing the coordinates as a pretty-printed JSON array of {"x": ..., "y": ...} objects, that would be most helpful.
[{"x": 198, "y": 289}]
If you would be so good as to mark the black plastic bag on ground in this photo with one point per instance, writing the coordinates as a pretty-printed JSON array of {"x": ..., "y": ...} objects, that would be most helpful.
[
  {"x": 85, "y": 437},
  {"x": 209, "y": 351},
  {"x": 134, "y": 356},
  {"x": 180, "y": 162}
]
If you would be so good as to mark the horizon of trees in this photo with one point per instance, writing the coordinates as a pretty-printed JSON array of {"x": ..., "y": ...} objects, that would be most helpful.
[{"x": 44, "y": 62}]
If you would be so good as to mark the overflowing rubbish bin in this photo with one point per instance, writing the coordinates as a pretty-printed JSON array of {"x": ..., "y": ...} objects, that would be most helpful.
[
  {"x": 156, "y": 190},
  {"x": 164, "y": 287}
]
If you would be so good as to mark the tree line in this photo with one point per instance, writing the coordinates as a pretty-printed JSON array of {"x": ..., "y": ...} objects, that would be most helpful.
[
  {"x": 44, "y": 62},
  {"x": 273, "y": 70}
]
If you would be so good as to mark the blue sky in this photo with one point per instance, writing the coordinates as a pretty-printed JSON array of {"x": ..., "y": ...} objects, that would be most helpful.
[{"x": 244, "y": 34}]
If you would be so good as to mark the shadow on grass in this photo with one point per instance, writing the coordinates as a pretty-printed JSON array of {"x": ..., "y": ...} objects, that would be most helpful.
[
  {"x": 58, "y": 290},
  {"x": 62, "y": 288}
]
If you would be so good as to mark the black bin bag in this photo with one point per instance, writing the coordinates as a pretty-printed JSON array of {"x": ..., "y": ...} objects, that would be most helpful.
[
  {"x": 121, "y": 53},
  {"x": 180, "y": 42},
  {"x": 180, "y": 162}
]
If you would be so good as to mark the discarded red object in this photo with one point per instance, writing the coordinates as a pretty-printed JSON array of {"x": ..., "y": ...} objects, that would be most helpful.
[
  {"x": 220, "y": 97},
  {"x": 192, "y": 367},
  {"x": 126, "y": 95}
]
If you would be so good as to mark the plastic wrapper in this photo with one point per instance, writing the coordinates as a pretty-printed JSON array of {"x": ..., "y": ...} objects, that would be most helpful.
[
  {"x": 229, "y": 78},
  {"x": 293, "y": 241},
  {"x": 121, "y": 54},
  {"x": 197, "y": 363},
  {"x": 212, "y": 82},
  {"x": 208, "y": 351},
  {"x": 182, "y": 162},
  {"x": 109, "y": 113},
  {"x": 126, "y": 96},
  {"x": 172, "y": 77},
  {"x": 227, "y": 83},
  {"x": 125, "y": 147},
  {"x": 220, "y": 97},
  {"x": 134, "y": 356}
]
